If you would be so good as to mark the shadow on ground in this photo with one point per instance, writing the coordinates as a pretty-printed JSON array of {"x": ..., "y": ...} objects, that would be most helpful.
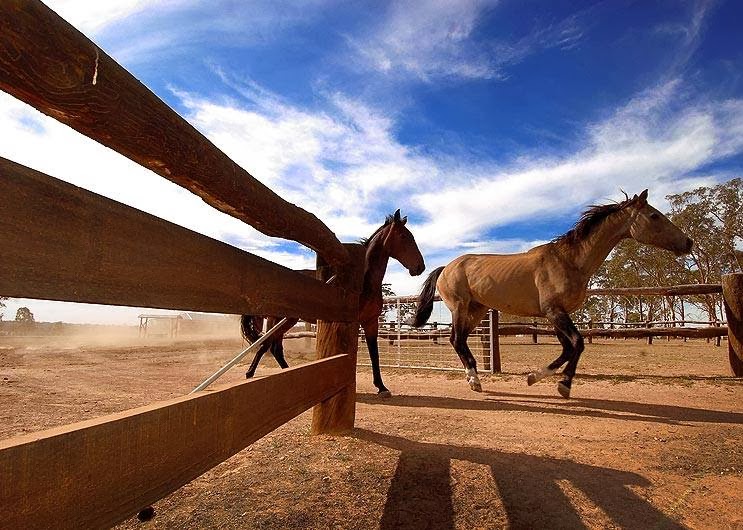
[
  {"x": 595, "y": 408},
  {"x": 420, "y": 492}
]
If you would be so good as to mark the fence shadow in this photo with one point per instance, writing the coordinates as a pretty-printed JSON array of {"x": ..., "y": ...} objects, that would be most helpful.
[
  {"x": 528, "y": 486},
  {"x": 594, "y": 408}
]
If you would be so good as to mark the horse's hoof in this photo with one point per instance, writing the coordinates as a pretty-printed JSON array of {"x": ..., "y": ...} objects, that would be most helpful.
[
  {"x": 384, "y": 393},
  {"x": 248, "y": 375},
  {"x": 146, "y": 514},
  {"x": 475, "y": 385},
  {"x": 531, "y": 379},
  {"x": 563, "y": 389}
]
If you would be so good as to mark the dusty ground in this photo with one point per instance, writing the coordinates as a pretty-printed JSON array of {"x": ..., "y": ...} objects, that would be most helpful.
[{"x": 653, "y": 438}]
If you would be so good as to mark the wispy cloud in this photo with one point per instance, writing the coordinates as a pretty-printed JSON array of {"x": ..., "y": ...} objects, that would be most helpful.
[
  {"x": 92, "y": 17},
  {"x": 440, "y": 39}
]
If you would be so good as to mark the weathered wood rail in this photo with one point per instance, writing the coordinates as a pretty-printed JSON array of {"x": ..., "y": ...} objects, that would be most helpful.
[
  {"x": 96, "y": 473},
  {"x": 63, "y": 243}
]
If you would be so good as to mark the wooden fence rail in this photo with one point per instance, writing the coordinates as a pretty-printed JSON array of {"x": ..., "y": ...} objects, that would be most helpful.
[
  {"x": 61, "y": 242},
  {"x": 50, "y": 65},
  {"x": 96, "y": 473},
  {"x": 64, "y": 243}
]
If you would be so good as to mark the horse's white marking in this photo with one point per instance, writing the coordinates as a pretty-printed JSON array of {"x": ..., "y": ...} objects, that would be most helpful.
[
  {"x": 542, "y": 373},
  {"x": 95, "y": 71}
]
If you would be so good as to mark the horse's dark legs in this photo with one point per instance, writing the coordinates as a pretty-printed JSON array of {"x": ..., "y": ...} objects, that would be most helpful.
[
  {"x": 371, "y": 332},
  {"x": 572, "y": 347},
  {"x": 277, "y": 350},
  {"x": 257, "y": 359}
]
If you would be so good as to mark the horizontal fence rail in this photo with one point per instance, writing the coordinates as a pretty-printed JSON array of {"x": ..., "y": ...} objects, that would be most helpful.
[
  {"x": 61, "y": 242},
  {"x": 96, "y": 473},
  {"x": 47, "y": 63}
]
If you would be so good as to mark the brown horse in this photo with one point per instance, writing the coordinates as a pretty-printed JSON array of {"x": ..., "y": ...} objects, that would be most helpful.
[
  {"x": 547, "y": 281},
  {"x": 391, "y": 240}
]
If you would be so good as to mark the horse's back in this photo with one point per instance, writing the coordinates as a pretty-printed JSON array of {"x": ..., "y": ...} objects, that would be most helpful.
[{"x": 501, "y": 281}]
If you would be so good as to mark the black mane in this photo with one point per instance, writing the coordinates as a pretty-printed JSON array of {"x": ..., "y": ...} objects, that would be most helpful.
[
  {"x": 589, "y": 220},
  {"x": 387, "y": 220}
]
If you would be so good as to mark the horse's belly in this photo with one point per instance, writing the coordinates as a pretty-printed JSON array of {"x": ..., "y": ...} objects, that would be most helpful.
[{"x": 515, "y": 299}]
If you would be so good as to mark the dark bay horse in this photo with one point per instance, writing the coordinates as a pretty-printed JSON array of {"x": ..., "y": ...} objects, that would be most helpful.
[
  {"x": 391, "y": 240},
  {"x": 547, "y": 281}
]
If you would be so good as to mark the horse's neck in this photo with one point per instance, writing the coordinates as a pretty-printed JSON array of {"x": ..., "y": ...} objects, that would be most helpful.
[
  {"x": 588, "y": 254},
  {"x": 374, "y": 268}
]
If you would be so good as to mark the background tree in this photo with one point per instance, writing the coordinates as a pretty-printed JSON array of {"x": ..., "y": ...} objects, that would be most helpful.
[
  {"x": 25, "y": 315},
  {"x": 2, "y": 306},
  {"x": 407, "y": 309}
]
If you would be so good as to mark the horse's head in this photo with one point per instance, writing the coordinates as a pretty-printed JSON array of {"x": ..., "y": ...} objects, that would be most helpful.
[
  {"x": 651, "y": 227},
  {"x": 400, "y": 244}
]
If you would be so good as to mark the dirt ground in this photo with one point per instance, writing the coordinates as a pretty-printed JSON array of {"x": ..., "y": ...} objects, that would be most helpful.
[{"x": 652, "y": 438}]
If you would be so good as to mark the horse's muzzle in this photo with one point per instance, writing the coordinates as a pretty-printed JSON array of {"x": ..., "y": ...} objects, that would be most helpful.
[
  {"x": 417, "y": 271},
  {"x": 687, "y": 247}
]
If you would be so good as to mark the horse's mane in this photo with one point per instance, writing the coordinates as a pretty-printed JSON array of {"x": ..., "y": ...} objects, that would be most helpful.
[
  {"x": 366, "y": 240},
  {"x": 589, "y": 220}
]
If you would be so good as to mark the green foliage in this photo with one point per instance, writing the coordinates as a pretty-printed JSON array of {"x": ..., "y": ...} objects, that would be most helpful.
[{"x": 25, "y": 315}]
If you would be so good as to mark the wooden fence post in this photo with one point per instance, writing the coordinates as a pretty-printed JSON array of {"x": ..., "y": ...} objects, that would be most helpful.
[
  {"x": 337, "y": 413},
  {"x": 649, "y": 325},
  {"x": 732, "y": 294},
  {"x": 590, "y": 326}
]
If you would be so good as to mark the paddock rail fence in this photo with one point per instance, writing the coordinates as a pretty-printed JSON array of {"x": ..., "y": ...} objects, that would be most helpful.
[
  {"x": 401, "y": 346},
  {"x": 61, "y": 242}
]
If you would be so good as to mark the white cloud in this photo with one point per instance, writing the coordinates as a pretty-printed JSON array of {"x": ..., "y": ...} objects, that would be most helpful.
[
  {"x": 91, "y": 17},
  {"x": 438, "y": 39},
  {"x": 645, "y": 144}
]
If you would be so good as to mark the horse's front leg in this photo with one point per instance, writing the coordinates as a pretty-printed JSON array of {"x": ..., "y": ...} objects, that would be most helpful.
[
  {"x": 572, "y": 346},
  {"x": 371, "y": 332}
]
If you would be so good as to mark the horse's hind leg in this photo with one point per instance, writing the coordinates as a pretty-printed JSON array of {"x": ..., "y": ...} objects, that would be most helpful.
[
  {"x": 572, "y": 347},
  {"x": 463, "y": 322},
  {"x": 258, "y": 355},
  {"x": 551, "y": 368},
  {"x": 277, "y": 350}
]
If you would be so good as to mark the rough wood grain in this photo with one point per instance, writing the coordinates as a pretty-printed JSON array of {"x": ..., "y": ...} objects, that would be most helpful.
[
  {"x": 95, "y": 473},
  {"x": 60, "y": 242},
  {"x": 732, "y": 288},
  {"x": 337, "y": 414},
  {"x": 50, "y": 65}
]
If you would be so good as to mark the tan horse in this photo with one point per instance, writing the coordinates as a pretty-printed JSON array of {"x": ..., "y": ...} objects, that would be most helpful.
[{"x": 547, "y": 281}]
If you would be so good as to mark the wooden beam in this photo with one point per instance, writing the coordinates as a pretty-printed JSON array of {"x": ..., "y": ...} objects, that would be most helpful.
[
  {"x": 47, "y": 63},
  {"x": 60, "y": 242},
  {"x": 96, "y": 473},
  {"x": 337, "y": 414},
  {"x": 732, "y": 285},
  {"x": 673, "y": 290},
  {"x": 691, "y": 333}
]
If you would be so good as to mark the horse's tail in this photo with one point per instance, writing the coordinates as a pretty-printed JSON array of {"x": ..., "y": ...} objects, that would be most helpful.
[
  {"x": 248, "y": 328},
  {"x": 424, "y": 307}
]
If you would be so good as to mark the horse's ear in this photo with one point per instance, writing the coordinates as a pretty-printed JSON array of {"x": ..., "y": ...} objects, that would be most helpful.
[
  {"x": 396, "y": 217},
  {"x": 644, "y": 197},
  {"x": 404, "y": 220}
]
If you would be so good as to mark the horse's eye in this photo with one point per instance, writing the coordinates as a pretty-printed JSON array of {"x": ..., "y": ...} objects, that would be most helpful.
[{"x": 654, "y": 216}]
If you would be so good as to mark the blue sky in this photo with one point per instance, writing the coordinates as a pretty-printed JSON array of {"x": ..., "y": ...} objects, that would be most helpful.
[{"x": 491, "y": 124}]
